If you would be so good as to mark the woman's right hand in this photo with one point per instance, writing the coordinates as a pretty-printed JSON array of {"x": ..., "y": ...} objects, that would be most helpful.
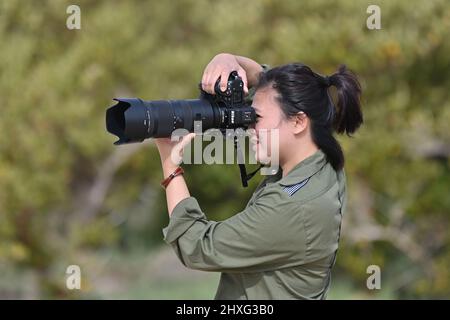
[{"x": 221, "y": 66}]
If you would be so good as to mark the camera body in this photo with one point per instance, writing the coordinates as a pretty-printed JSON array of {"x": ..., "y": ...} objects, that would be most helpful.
[
  {"x": 236, "y": 112},
  {"x": 134, "y": 120}
]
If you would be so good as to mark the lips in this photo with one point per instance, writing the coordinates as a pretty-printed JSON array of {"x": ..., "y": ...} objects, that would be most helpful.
[
  {"x": 254, "y": 139},
  {"x": 255, "y": 144}
]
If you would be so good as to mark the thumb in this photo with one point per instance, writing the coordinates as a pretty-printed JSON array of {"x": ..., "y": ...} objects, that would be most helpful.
[
  {"x": 177, "y": 151},
  {"x": 186, "y": 140}
]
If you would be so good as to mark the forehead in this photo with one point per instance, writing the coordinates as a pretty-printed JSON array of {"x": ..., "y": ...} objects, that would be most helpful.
[{"x": 265, "y": 100}]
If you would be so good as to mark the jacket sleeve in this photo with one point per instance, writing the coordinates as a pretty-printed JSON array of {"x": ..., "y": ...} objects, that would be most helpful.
[{"x": 265, "y": 236}]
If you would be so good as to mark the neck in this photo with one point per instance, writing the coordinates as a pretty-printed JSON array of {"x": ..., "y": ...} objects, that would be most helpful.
[{"x": 296, "y": 158}]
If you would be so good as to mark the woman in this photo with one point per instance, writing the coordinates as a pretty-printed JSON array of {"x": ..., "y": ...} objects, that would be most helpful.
[{"x": 283, "y": 244}]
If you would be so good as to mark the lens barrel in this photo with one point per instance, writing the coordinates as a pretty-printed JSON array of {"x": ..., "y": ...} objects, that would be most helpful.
[{"x": 133, "y": 119}]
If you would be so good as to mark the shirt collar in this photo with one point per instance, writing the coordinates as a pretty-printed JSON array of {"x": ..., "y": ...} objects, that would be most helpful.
[
  {"x": 301, "y": 171},
  {"x": 304, "y": 169}
]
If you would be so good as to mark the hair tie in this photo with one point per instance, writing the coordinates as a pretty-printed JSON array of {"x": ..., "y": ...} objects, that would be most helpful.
[{"x": 327, "y": 81}]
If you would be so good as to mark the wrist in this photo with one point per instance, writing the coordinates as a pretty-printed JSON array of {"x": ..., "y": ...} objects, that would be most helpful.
[
  {"x": 252, "y": 69},
  {"x": 167, "y": 161},
  {"x": 168, "y": 168},
  {"x": 175, "y": 173}
]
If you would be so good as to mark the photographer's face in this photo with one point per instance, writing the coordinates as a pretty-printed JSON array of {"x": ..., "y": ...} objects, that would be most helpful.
[{"x": 270, "y": 125}]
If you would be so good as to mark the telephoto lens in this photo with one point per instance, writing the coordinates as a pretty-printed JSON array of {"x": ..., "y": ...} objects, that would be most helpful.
[{"x": 134, "y": 120}]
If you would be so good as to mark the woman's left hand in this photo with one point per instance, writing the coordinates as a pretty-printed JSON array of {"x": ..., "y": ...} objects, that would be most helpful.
[{"x": 171, "y": 152}]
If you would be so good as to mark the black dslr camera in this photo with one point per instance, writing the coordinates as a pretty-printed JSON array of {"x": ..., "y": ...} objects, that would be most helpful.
[{"x": 133, "y": 119}]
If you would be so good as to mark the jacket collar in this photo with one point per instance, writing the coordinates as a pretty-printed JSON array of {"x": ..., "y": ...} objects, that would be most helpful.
[
  {"x": 301, "y": 171},
  {"x": 304, "y": 169}
]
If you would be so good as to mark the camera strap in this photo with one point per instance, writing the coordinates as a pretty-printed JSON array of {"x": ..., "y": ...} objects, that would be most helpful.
[
  {"x": 246, "y": 177},
  {"x": 240, "y": 157}
]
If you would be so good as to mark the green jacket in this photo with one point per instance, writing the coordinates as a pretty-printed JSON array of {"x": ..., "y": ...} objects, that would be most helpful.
[{"x": 281, "y": 246}]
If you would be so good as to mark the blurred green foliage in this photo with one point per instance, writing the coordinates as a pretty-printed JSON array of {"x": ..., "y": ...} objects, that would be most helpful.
[{"x": 56, "y": 84}]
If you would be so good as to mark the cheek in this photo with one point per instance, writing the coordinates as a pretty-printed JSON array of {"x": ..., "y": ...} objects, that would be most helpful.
[
  {"x": 286, "y": 141},
  {"x": 265, "y": 123}
]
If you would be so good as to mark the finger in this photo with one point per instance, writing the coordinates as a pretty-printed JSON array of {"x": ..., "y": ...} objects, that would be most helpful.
[
  {"x": 203, "y": 81},
  {"x": 186, "y": 140},
  {"x": 224, "y": 80},
  {"x": 218, "y": 73},
  {"x": 177, "y": 151},
  {"x": 205, "y": 76},
  {"x": 189, "y": 137},
  {"x": 243, "y": 75},
  {"x": 210, "y": 81}
]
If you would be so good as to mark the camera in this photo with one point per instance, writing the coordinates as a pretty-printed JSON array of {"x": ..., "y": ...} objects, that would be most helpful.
[{"x": 134, "y": 120}]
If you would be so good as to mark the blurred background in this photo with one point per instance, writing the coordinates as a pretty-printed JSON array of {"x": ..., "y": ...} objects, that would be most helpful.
[{"x": 69, "y": 197}]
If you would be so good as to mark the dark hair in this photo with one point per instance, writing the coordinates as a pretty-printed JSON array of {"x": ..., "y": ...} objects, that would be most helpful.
[{"x": 301, "y": 89}]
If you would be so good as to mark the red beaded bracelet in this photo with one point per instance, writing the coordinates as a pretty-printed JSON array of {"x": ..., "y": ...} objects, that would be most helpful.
[{"x": 166, "y": 181}]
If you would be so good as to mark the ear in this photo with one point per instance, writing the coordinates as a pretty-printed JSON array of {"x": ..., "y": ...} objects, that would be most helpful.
[{"x": 299, "y": 122}]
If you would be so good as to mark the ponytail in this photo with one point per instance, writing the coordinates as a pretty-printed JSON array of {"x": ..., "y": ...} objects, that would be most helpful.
[{"x": 348, "y": 114}]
